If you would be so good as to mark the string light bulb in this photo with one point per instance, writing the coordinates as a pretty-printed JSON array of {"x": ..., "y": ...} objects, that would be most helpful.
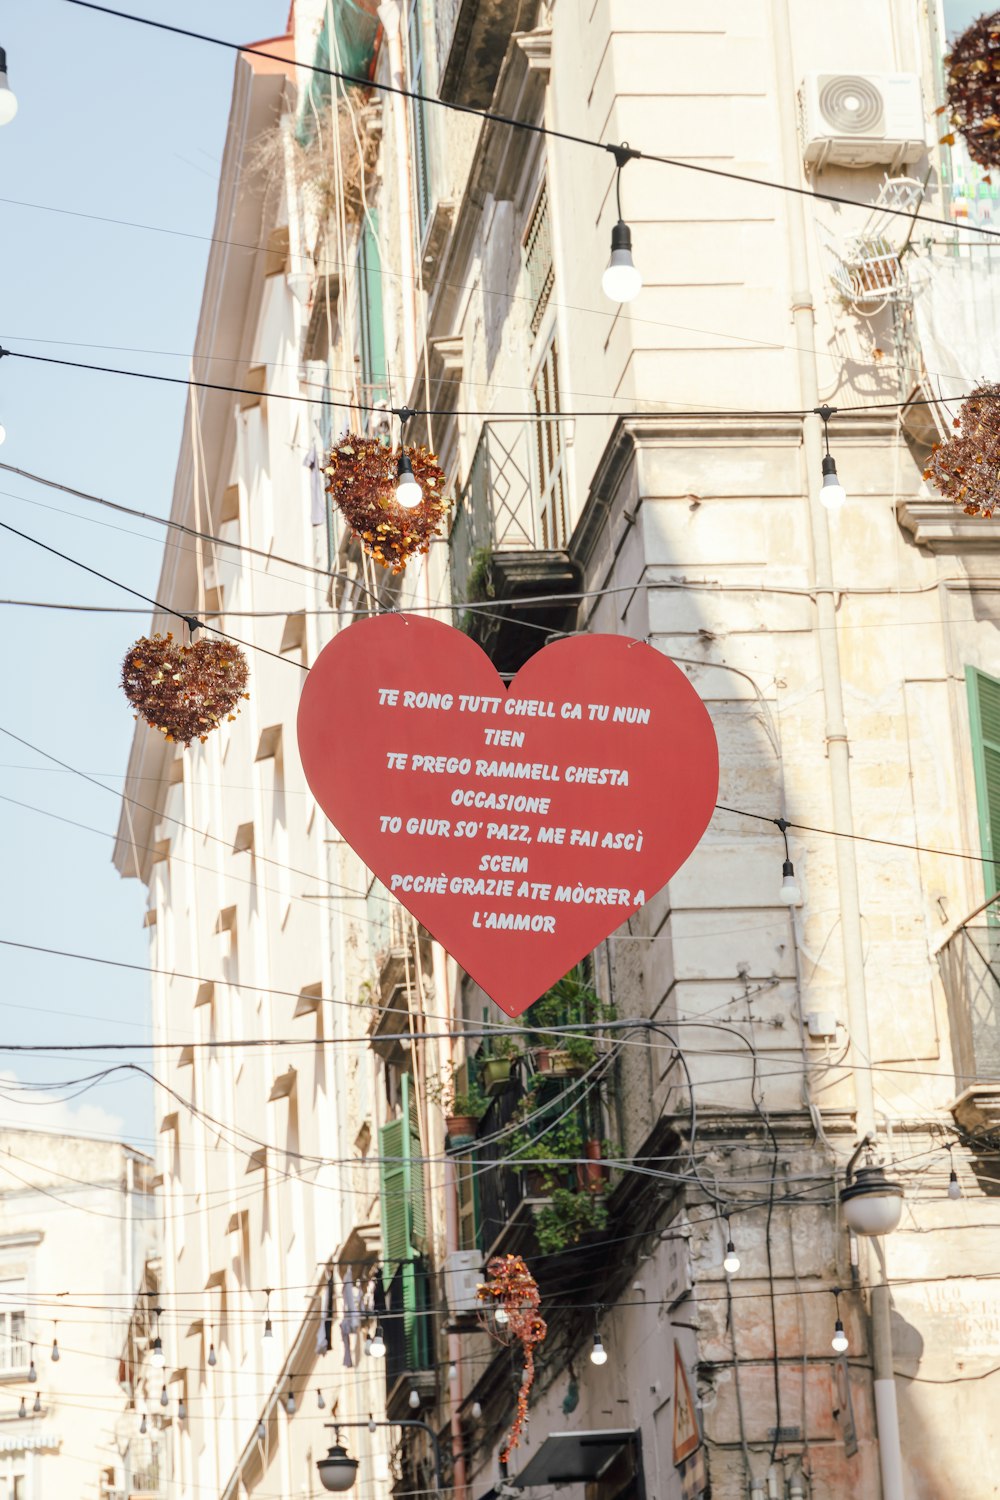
[
  {"x": 164, "y": 1398},
  {"x": 453, "y": 1371},
  {"x": 622, "y": 279},
  {"x": 320, "y": 1402},
  {"x": 37, "y": 1405},
  {"x": 832, "y": 494},
  {"x": 3, "y": 433},
  {"x": 22, "y": 1410},
  {"x": 954, "y": 1186},
  {"x": 501, "y": 1317},
  {"x": 290, "y": 1403},
  {"x": 268, "y": 1327},
  {"x": 598, "y": 1355},
  {"x": 56, "y": 1356},
  {"x": 182, "y": 1410},
  {"x": 477, "y": 1410},
  {"x": 32, "y": 1372},
  {"x": 377, "y": 1346},
  {"x": 731, "y": 1261},
  {"x": 414, "y": 1400},
  {"x": 156, "y": 1358},
  {"x": 212, "y": 1361},
  {"x": 408, "y": 492},
  {"x": 790, "y": 892},
  {"x": 143, "y": 1426},
  {"x": 839, "y": 1342},
  {"x": 8, "y": 99},
  {"x": 261, "y": 1431}
]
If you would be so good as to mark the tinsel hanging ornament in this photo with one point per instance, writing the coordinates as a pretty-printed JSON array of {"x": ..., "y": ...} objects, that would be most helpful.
[
  {"x": 511, "y": 1300},
  {"x": 966, "y": 468},
  {"x": 972, "y": 73},
  {"x": 184, "y": 691},
  {"x": 361, "y": 476}
]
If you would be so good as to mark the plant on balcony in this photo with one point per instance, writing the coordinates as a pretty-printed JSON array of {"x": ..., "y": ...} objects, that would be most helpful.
[
  {"x": 966, "y": 469},
  {"x": 572, "y": 1001},
  {"x": 497, "y": 1060},
  {"x": 547, "y": 1153},
  {"x": 361, "y": 479},
  {"x": 462, "y": 1108},
  {"x": 570, "y": 1215}
]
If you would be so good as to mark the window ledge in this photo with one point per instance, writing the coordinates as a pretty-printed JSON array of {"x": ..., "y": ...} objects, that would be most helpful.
[{"x": 940, "y": 526}]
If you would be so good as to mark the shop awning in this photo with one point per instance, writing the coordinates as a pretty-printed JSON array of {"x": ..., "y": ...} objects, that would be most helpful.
[{"x": 573, "y": 1457}]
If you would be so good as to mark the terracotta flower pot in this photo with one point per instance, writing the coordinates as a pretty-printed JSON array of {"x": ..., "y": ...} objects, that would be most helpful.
[
  {"x": 460, "y": 1126},
  {"x": 592, "y": 1174}
]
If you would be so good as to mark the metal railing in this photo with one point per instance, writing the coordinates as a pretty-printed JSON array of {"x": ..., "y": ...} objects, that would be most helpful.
[
  {"x": 513, "y": 498},
  {"x": 500, "y": 1189},
  {"x": 970, "y": 971}
]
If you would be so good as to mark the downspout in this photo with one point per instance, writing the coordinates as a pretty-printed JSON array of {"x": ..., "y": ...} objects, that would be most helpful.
[
  {"x": 803, "y": 321},
  {"x": 456, "y": 1391},
  {"x": 390, "y": 16}
]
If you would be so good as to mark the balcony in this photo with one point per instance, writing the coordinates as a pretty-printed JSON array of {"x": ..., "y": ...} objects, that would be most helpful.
[
  {"x": 409, "y": 1342},
  {"x": 970, "y": 971},
  {"x": 508, "y": 542}
]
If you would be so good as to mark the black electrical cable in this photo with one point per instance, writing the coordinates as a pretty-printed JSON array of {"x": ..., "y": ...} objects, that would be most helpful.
[
  {"x": 495, "y": 117},
  {"x": 451, "y": 411}
]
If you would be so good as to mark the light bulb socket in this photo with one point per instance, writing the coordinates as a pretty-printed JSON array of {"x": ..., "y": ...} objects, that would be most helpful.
[
  {"x": 621, "y": 237},
  {"x": 829, "y": 465},
  {"x": 787, "y": 870},
  {"x": 268, "y": 1329}
]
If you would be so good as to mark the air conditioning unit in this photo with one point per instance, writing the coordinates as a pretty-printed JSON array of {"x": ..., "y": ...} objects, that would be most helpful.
[
  {"x": 861, "y": 119},
  {"x": 463, "y": 1276}
]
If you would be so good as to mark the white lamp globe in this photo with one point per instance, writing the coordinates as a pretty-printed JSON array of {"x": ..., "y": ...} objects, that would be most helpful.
[
  {"x": 337, "y": 1471},
  {"x": 839, "y": 1340},
  {"x": 598, "y": 1355},
  {"x": 408, "y": 492},
  {"x": 872, "y": 1204},
  {"x": 622, "y": 279},
  {"x": 8, "y": 99},
  {"x": 377, "y": 1347},
  {"x": 731, "y": 1263},
  {"x": 832, "y": 495}
]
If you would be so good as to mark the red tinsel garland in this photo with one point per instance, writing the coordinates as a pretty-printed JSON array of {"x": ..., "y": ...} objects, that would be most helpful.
[{"x": 512, "y": 1288}]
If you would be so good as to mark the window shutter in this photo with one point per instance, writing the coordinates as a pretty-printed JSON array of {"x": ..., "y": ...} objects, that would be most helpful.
[
  {"x": 393, "y": 1142},
  {"x": 984, "y": 720},
  {"x": 404, "y": 1223}
]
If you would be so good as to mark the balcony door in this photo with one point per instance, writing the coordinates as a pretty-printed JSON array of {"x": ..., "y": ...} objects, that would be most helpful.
[{"x": 552, "y": 529}]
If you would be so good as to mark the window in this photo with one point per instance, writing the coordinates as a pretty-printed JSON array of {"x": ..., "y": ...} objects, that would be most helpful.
[
  {"x": 418, "y": 118},
  {"x": 538, "y": 260},
  {"x": 984, "y": 723},
  {"x": 371, "y": 329},
  {"x": 404, "y": 1232},
  {"x": 13, "y": 1340},
  {"x": 549, "y": 453}
]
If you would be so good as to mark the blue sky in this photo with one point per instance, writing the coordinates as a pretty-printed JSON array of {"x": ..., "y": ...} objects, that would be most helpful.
[{"x": 120, "y": 121}]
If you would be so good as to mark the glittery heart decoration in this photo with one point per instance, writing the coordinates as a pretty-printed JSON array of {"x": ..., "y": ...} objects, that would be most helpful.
[{"x": 184, "y": 691}]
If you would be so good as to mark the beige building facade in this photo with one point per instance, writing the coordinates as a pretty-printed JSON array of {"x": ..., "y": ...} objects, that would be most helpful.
[{"x": 653, "y": 470}]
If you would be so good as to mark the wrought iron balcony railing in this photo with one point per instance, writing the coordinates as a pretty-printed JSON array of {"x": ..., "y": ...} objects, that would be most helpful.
[
  {"x": 514, "y": 499},
  {"x": 970, "y": 970}
]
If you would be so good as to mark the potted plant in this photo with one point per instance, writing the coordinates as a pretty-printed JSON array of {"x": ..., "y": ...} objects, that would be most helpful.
[
  {"x": 495, "y": 1066},
  {"x": 567, "y": 1218},
  {"x": 545, "y": 1153},
  {"x": 462, "y": 1108},
  {"x": 572, "y": 1001}
]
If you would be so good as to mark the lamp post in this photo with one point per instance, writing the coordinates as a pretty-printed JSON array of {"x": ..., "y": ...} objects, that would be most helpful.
[
  {"x": 872, "y": 1204},
  {"x": 338, "y": 1471}
]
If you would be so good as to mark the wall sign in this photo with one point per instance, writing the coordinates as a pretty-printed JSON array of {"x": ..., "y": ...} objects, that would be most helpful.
[{"x": 519, "y": 826}]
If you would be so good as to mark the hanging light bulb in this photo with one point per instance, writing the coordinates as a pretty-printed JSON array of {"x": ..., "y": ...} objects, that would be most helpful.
[
  {"x": 839, "y": 1341},
  {"x": 453, "y": 1371},
  {"x": 622, "y": 279},
  {"x": 321, "y": 1404},
  {"x": 261, "y": 1431},
  {"x": 32, "y": 1372},
  {"x": 290, "y": 1403},
  {"x": 598, "y": 1355},
  {"x": 268, "y": 1329},
  {"x": 414, "y": 1400},
  {"x": 372, "y": 1424},
  {"x": 954, "y": 1186},
  {"x": 156, "y": 1358},
  {"x": 408, "y": 492},
  {"x": 501, "y": 1318},
  {"x": 789, "y": 893},
  {"x": 377, "y": 1347},
  {"x": 182, "y": 1410},
  {"x": 212, "y": 1361},
  {"x": 22, "y": 1410},
  {"x": 731, "y": 1261},
  {"x": 832, "y": 494},
  {"x": 164, "y": 1398},
  {"x": 3, "y": 433},
  {"x": 56, "y": 1356},
  {"x": 38, "y": 1402},
  {"x": 477, "y": 1410},
  {"x": 8, "y": 99},
  {"x": 143, "y": 1426}
]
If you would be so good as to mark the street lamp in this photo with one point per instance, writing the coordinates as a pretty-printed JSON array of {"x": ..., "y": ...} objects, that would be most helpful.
[
  {"x": 872, "y": 1202},
  {"x": 338, "y": 1471}
]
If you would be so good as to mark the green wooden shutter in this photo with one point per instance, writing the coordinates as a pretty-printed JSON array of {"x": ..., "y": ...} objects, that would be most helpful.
[
  {"x": 404, "y": 1222},
  {"x": 371, "y": 324},
  {"x": 984, "y": 722}
]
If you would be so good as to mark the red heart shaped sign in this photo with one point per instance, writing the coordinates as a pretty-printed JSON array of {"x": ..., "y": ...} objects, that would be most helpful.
[{"x": 523, "y": 825}]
